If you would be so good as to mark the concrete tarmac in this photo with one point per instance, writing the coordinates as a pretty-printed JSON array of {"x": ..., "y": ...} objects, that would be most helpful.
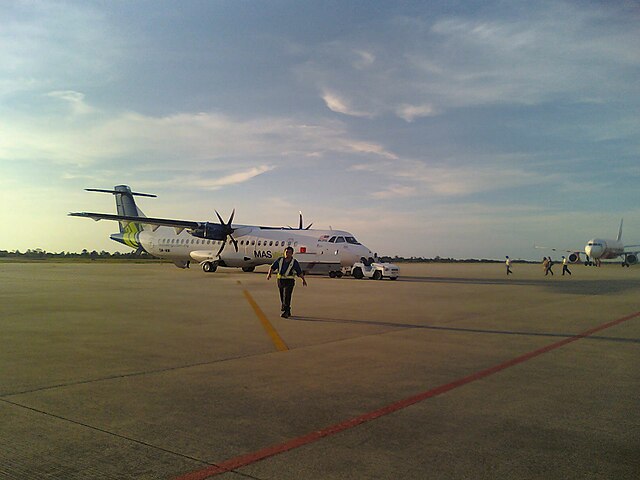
[{"x": 454, "y": 371}]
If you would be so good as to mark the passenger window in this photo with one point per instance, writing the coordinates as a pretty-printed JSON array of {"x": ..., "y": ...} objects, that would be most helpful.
[
  {"x": 259, "y": 242},
  {"x": 271, "y": 243},
  {"x": 253, "y": 242}
]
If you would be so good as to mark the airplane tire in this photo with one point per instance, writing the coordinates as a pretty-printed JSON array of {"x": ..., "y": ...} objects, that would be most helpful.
[
  {"x": 377, "y": 275},
  {"x": 338, "y": 274},
  {"x": 332, "y": 274},
  {"x": 248, "y": 269},
  {"x": 209, "y": 267},
  {"x": 357, "y": 273},
  {"x": 393, "y": 278}
]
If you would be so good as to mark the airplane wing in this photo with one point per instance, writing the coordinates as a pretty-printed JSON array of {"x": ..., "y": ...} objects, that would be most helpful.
[
  {"x": 559, "y": 249},
  {"x": 157, "y": 222}
]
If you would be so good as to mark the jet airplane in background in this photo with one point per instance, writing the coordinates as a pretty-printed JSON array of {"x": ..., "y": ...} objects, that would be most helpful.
[
  {"x": 183, "y": 241},
  {"x": 598, "y": 249}
]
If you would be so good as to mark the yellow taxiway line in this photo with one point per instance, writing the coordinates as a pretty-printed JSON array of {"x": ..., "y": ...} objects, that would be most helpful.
[{"x": 275, "y": 338}]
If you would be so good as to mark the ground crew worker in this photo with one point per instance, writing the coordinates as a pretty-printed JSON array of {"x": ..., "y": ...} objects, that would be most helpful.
[
  {"x": 565, "y": 266},
  {"x": 545, "y": 264},
  {"x": 508, "y": 264},
  {"x": 287, "y": 268}
]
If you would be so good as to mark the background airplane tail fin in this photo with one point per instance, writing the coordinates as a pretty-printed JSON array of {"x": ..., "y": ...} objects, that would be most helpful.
[{"x": 620, "y": 231}]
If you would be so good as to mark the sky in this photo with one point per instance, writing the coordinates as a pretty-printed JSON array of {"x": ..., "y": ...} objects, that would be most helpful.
[{"x": 430, "y": 128}]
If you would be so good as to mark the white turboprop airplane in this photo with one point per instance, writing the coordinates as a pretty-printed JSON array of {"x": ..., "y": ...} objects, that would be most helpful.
[
  {"x": 183, "y": 241},
  {"x": 598, "y": 249}
]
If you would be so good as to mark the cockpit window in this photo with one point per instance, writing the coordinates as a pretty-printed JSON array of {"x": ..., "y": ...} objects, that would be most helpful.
[
  {"x": 352, "y": 241},
  {"x": 340, "y": 240},
  {"x": 332, "y": 240}
]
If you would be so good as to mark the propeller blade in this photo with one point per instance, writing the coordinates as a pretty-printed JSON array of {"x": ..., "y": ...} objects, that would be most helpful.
[
  {"x": 309, "y": 226},
  {"x": 235, "y": 242},
  {"x": 221, "y": 247},
  {"x": 233, "y": 212},
  {"x": 220, "y": 218},
  {"x": 300, "y": 227}
]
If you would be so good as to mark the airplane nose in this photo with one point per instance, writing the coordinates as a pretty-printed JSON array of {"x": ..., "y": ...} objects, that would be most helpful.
[{"x": 593, "y": 251}]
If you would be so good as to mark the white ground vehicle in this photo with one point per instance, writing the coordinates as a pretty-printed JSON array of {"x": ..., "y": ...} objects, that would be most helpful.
[{"x": 369, "y": 268}]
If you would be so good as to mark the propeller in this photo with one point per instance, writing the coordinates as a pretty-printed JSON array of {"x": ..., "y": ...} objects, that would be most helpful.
[
  {"x": 301, "y": 224},
  {"x": 228, "y": 231}
]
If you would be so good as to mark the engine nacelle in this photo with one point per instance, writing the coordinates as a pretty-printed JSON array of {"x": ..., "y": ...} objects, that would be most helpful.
[
  {"x": 574, "y": 257},
  {"x": 210, "y": 231},
  {"x": 631, "y": 258}
]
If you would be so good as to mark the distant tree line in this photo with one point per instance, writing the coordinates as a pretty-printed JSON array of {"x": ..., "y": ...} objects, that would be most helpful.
[
  {"x": 438, "y": 259},
  {"x": 40, "y": 254}
]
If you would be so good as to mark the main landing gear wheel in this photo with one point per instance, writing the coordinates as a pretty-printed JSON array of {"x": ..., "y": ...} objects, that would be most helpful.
[
  {"x": 209, "y": 267},
  {"x": 248, "y": 269},
  {"x": 332, "y": 274}
]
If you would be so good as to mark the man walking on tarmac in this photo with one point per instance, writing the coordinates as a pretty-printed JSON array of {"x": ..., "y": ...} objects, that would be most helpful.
[
  {"x": 508, "y": 264},
  {"x": 287, "y": 268},
  {"x": 565, "y": 266}
]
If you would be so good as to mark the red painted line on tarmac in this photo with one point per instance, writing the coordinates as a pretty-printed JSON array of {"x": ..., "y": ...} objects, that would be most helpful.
[{"x": 249, "y": 458}]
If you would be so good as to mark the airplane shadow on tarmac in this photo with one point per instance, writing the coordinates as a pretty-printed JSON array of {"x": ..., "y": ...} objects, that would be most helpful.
[
  {"x": 569, "y": 285},
  {"x": 455, "y": 329}
]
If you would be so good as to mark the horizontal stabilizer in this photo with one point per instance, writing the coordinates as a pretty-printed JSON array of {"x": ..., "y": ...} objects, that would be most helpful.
[{"x": 115, "y": 192}]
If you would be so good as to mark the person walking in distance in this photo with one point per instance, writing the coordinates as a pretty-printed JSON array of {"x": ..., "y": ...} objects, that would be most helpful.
[
  {"x": 508, "y": 264},
  {"x": 548, "y": 267},
  {"x": 545, "y": 264},
  {"x": 565, "y": 266},
  {"x": 287, "y": 268}
]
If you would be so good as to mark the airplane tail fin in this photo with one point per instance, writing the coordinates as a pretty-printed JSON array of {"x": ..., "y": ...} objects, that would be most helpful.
[
  {"x": 125, "y": 205},
  {"x": 620, "y": 231}
]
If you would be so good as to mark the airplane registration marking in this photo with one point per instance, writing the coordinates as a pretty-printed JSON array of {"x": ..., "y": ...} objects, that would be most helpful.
[
  {"x": 250, "y": 458},
  {"x": 275, "y": 338}
]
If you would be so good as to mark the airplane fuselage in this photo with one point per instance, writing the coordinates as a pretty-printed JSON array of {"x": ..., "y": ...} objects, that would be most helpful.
[
  {"x": 256, "y": 246},
  {"x": 603, "y": 249}
]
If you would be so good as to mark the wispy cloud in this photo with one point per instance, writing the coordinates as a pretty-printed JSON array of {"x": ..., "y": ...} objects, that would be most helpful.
[
  {"x": 339, "y": 104},
  {"x": 395, "y": 191},
  {"x": 232, "y": 179},
  {"x": 364, "y": 59},
  {"x": 74, "y": 99},
  {"x": 410, "y": 112},
  {"x": 98, "y": 136},
  {"x": 422, "y": 179}
]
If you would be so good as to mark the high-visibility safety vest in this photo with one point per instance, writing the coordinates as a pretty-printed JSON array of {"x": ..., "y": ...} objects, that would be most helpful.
[{"x": 288, "y": 272}]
